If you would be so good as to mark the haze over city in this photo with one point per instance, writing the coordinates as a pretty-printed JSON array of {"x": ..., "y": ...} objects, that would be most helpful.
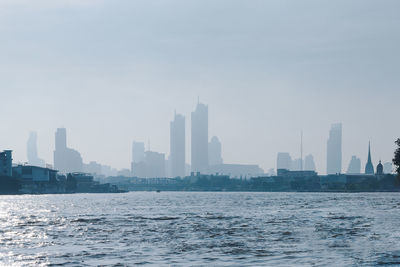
[{"x": 115, "y": 71}]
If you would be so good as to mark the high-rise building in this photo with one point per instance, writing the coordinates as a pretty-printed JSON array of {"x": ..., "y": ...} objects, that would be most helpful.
[
  {"x": 177, "y": 147},
  {"x": 138, "y": 166},
  {"x": 66, "y": 160},
  {"x": 138, "y": 152},
  {"x": 309, "y": 164},
  {"x": 334, "y": 150},
  {"x": 200, "y": 138},
  {"x": 31, "y": 151},
  {"x": 214, "y": 152},
  {"x": 354, "y": 166},
  {"x": 369, "y": 167},
  {"x": 284, "y": 161}
]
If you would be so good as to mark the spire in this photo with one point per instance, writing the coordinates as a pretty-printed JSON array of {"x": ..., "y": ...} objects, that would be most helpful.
[
  {"x": 369, "y": 151},
  {"x": 369, "y": 168}
]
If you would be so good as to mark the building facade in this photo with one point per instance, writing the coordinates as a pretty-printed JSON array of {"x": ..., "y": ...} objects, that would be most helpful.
[
  {"x": 177, "y": 147},
  {"x": 334, "y": 150},
  {"x": 200, "y": 138}
]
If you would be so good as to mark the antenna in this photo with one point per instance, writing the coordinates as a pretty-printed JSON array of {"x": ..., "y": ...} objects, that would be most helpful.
[{"x": 301, "y": 149}]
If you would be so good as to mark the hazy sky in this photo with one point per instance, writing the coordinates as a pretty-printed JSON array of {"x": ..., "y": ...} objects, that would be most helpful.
[{"x": 113, "y": 71}]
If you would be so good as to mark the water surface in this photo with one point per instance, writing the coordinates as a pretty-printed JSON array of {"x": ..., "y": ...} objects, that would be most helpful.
[{"x": 199, "y": 229}]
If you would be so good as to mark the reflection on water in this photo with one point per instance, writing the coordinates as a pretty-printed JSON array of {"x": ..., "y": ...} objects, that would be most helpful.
[{"x": 200, "y": 229}]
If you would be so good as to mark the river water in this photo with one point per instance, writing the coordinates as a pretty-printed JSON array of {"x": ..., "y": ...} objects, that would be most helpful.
[{"x": 200, "y": 229}]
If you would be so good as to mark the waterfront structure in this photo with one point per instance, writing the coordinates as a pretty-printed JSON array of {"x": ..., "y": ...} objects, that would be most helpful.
[
  {"x": 354, "y": 166},
  {"x": 66, "y": 159},
  {"x": 369, "y": 167},
  {"x": 309, "y": 164},
  {"x": 34, "y": 173},
  {"x": 334, "y": 150},
  {"x": 214, "y": 152},
  {"x": 6, "y": 163},
  {"x": 284, "y": 161},
  {"x": 177, "y": 147},
  {"x": 31, "y": 151},
  {"x": 199, "y": 140},
  {"x": 236, "y": 170}
]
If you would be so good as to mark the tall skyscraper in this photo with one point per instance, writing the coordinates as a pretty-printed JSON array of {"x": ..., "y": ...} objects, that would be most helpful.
[
  {"x": 334, "y": 150},
  {"x": 283, "y": 161},
  {"x": 31, "y": 151},
  {"x": 354, "y": 166},
  {"x": 66, "y": 160},
  {"x": 369, "y": 167},
  {"x": 177, "y": 146},
  {"x": 214, "y": 152},
  {"x": 200, "y": 138}
]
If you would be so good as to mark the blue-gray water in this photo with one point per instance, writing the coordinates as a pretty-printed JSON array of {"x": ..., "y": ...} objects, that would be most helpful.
[{"x": 239, "y": 229}]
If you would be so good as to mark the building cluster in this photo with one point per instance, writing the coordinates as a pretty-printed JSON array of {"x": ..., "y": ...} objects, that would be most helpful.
[
  {"x": 30, "y": 179},
  {"x": 333, "y": 158},
  {"x": 206, "y": 154}
]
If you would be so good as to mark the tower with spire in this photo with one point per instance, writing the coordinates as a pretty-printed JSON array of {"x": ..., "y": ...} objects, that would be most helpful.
[{"x": 369, "y": 168}]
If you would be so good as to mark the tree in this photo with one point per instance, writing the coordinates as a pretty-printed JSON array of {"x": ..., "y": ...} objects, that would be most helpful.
[{"x": 396, "y": 160}]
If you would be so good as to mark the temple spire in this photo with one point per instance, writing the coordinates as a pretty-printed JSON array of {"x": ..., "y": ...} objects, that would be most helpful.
[{"x": 369, "y": 168}]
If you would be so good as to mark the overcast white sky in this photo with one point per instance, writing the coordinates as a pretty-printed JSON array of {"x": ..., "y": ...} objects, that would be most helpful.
[{"x": 113, "y": 71}]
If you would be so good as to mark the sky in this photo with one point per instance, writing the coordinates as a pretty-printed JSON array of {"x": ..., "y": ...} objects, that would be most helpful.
[{"x": 114, "y": 71}]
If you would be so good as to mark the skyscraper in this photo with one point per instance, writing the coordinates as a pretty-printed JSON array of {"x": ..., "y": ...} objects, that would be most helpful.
[
  {"x": 214, "y": 152},
  {"x": 200, "y": 138},
  {"x": 334, "y": 150},
  {"x": 66, "y": 160},
  {"x": 354, "y": 166},
  {"x": 31, "y": 151},
  {"x": 369, "y": 167},
  {"x": 177, "y": 146},
  {"x": 138, "y": 166},
  {"x": 137, "y": 152}
]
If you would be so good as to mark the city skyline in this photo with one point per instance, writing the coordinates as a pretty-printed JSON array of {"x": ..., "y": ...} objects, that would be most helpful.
[{"x": 264, "y": 76}]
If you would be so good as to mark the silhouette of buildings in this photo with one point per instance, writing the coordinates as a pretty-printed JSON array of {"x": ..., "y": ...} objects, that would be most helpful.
[
  {"x": 34, "y": 173},
  {"x": 214, "y": 152},
  {"x": 236, "y": 170},
  {"x": 6, "y": 163},
  {"x": 387, "y": 167},
  {"x": 177, "y": 147},
  {"x": 369, "y": 167},
  {"x": 66, "y": 160},
  {"x": 93, "y": 168},
  {"x": 354, "y": 166},
  {"x": 200, "y": 138},
  {"x": 154, "y": 164},
  {"x": 31, "y": 151},
  {"x": 309, "y": 164},
  {"x": 138, "y": 167},
  {"x": 334, "y": 150},
  {"x": 284, "y": 161}
]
